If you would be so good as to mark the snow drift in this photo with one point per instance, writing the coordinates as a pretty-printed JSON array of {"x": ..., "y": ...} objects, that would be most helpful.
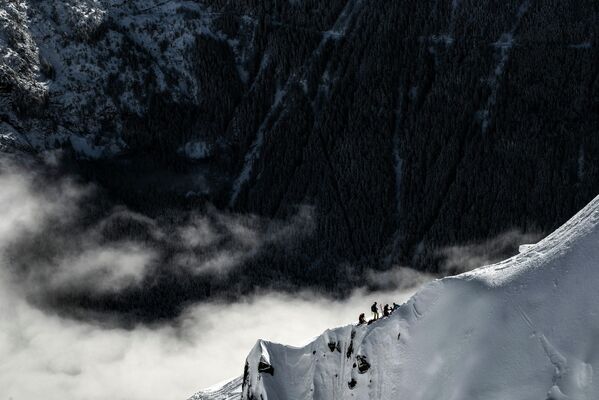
[
  {"x": 230, "y": 390},
  {"x": 525, "y": 328}
]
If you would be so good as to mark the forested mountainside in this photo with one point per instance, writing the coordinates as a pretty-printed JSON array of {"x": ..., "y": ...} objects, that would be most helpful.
[{"x": 405, "y": 126}]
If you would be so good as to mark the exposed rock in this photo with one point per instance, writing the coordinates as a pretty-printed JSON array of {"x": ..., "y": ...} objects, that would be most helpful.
[
  {"x": 363, "y": 365},
  {"x": 265, "y": 367}
]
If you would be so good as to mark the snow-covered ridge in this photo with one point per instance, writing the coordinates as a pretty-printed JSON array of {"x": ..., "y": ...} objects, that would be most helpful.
[
  {"x": 524, "y": 328},
  {"x": 230, "y": 390}
]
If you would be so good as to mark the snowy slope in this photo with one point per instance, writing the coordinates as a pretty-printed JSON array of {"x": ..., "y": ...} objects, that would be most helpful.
[
  {"x": 525, "y": 328},
  {"x": 230, "y": 390}
]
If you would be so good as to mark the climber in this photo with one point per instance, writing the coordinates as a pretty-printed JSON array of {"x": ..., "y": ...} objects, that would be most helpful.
[
  {"x": 361, "y": 319},
  {"x": 375, "y": 311},
  {"x": 386, "y": 311},
  {"x": 395, "y": 306}
]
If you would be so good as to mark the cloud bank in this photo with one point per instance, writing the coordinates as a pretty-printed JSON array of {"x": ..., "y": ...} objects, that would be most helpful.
[
  {"x": 45, "y": 356},
  {"x": 68, "y": 248},
  {"x": 55, "y": 241},
  {"x": 466, "y": 257}
]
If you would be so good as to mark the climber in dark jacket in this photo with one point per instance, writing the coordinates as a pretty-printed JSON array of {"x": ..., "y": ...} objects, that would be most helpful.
[
  {"x": 375, "y": 310},
  {"x": 361, "y": 319},
  {"x": 386, "y": 311}
]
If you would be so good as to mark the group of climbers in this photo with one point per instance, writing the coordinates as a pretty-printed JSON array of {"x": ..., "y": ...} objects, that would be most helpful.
[{"x": 375, "y": 308}]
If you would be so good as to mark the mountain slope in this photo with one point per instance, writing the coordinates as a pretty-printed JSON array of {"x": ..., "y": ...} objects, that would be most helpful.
[
  {"x": 408, "y": 126},
  {"x": 230, "y": 390},
  {"x": 524, "y": 328}
]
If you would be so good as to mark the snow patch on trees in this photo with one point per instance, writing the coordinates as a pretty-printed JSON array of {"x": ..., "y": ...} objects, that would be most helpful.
[
  {"x": 503, "y": 45},
  {"x": 196, "y": 150}
]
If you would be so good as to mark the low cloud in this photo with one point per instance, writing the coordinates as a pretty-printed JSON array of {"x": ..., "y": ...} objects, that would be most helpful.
[
  {"x": 396, "y": 278},
  {"x": 216, "y": 242},
  {"x": 108, "y": 268},
  {"x": 43, "y": 355},
  {"x": 47, "y": 245},
  {"x": 462, "y": 258},
  {"x": 63, "y": 242},
  {"x": 54, "y": 239}
]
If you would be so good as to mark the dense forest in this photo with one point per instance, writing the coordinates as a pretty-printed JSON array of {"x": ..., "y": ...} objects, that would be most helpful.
[{"x": 361, "y": 134}]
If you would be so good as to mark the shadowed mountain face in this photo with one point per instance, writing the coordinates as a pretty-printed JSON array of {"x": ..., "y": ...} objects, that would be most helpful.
[{"x": 406, "y": 126}]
